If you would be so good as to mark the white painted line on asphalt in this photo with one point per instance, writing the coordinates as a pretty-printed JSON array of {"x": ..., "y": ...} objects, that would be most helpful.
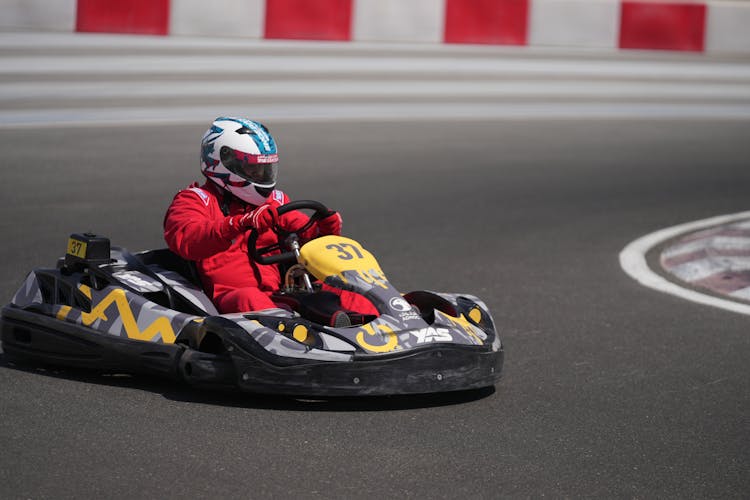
[
  {"x": 633, "y": 262},
  {"x": 372, "y": 87},
  {"x": 354, "y": 65},
  {"x": 381, "y": 112}
]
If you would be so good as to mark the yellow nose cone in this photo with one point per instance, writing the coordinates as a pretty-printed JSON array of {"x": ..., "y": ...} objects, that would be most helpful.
[{"x": 335, "y": 255}]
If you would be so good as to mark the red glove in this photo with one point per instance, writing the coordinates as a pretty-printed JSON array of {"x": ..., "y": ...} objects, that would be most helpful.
[
  {"x": 262, "y": 218},
  {"x": 331, "y": 224}
]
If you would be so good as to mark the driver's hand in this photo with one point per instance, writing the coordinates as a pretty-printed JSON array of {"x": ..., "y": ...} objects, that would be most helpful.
[
  {"x": 262, "y": 218},
  {"x": 331, "y": 224}
]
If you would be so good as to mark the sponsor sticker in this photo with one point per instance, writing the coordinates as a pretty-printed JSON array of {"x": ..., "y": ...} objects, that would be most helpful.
[
  {"x": 430, "y": 334},
  {"x": 403, "y": 308},
  {"x": 399, "y": 304},
  {"x": 266, "y": 158},
  {"x": 138, "y": 281},
  {"x": 278, "y": 196},
  {"x": 203, "y": 195}
]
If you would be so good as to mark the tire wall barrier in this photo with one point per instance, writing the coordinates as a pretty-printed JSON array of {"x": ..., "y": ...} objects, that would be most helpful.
[{"x": 686, "y": 25}]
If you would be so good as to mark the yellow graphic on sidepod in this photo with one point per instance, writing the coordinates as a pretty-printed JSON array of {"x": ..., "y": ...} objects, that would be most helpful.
[
  {"x": 161, "y": 325},
  {"x": 390, "y": 345}
]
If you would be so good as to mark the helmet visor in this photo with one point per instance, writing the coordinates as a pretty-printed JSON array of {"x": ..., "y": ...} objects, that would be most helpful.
[{"x": 258, "y": 169}]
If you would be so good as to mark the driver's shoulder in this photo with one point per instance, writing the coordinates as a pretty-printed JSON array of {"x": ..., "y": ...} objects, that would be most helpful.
[
  {"x": 279, "y": 198},
  {"x": 197, "y": 195}
]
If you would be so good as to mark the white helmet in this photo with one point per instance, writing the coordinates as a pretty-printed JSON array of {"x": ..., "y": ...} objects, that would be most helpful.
[{"x": 240, "y": 156}]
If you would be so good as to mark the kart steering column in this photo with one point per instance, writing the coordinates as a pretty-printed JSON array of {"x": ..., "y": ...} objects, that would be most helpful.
[{"x": 293, "y": 243}]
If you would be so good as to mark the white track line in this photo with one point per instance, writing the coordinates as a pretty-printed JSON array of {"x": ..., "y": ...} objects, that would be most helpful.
[
  {"x": 388, "y": 112},
  {"x": 372, "y": 87},
  {"x": 355, "y": 65},
  {"x": 633, "y": 262}
]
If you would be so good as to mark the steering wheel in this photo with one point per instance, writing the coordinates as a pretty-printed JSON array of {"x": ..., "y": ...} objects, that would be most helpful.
[{"x": 263, "y": 255}]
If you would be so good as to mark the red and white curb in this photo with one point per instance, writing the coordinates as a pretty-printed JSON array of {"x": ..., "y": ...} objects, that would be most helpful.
[
  {"x": 716, "y": 259},
  {"x": 682, "y": 25},
  {"x": 688, "y": 262}
]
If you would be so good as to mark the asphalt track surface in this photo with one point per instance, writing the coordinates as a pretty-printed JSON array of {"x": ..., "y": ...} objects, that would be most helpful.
[{"x": 610, "y": 389}]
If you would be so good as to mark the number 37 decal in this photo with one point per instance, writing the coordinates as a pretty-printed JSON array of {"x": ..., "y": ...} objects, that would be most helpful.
[{"x": 343, "y": 253}]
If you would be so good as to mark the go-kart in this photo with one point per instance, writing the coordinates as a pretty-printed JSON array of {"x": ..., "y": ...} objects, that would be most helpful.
[{"x": 103, "y": 307}]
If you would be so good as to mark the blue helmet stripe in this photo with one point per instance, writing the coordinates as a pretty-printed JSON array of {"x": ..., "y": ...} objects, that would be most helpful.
[{"x": 264, "y": 140}]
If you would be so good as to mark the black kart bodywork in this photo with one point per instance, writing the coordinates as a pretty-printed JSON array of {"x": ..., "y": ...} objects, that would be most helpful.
[{"x": 111, "y": 310}]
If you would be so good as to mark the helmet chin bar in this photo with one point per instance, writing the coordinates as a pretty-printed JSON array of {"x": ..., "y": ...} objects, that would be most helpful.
[{"x": 249, "y": 194}]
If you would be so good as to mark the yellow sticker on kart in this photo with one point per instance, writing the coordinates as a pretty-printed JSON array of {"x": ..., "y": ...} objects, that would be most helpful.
[
  {"x": 77, "y": 248},
  {"x": 334, "y": 255}
]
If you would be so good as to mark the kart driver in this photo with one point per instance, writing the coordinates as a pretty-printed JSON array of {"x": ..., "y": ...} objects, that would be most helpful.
[{"x": 210, "y": 224}]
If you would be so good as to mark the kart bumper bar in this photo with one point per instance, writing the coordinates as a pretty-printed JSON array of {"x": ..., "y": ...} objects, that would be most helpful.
[{"x": 428, "y": 370}]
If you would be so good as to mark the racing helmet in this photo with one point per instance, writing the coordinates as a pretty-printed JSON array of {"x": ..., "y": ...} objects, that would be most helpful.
[{"x": 240, "y": 156}]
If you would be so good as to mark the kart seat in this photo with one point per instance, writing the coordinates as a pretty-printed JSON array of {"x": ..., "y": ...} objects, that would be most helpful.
[
  {"x": 182, "y": 275},
  {"x": 166, "y": 259}
]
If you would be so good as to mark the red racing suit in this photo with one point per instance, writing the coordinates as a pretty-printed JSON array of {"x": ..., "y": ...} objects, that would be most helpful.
[{"x": 196, "y": 228}]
